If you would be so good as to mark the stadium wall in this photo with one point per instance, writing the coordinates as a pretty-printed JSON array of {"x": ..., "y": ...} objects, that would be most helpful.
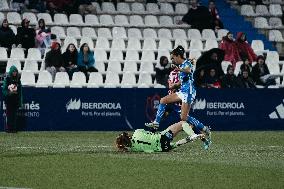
[{"x": 49, "y": 109}]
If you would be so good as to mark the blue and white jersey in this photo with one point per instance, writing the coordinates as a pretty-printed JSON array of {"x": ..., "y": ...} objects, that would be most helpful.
[{"x": 187, "y": 81}]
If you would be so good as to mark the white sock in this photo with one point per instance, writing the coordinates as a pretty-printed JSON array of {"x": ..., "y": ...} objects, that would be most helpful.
[
  {"x": 187, "y": 129},
  {"x": 181, "y": 141},
  {"x": 194, "y": 137}
]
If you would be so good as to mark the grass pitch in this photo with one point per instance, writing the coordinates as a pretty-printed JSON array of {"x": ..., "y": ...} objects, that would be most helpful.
[{"x": 89, "y": 160}]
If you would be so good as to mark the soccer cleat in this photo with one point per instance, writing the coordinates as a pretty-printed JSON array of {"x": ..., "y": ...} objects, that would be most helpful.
[
  {"x": 206, "y": 144},
  {"x": 153, "y": 124},
  {"x": 208, "y": 132}
]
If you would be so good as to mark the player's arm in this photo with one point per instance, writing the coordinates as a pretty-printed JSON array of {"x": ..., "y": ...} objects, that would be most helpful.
[
  {"x": 174, "y": 85},
  {"x": 185, "y": 69}
]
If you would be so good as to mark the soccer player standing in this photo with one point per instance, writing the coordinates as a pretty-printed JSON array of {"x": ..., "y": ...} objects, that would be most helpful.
[{"x": 186, "y": 93}]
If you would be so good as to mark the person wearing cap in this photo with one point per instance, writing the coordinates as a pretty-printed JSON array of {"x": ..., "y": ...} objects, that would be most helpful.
[
  {"x": 12, "y": 93},
  {"x": 54, "y": 60},
  {"x": 26, "y": 35}
]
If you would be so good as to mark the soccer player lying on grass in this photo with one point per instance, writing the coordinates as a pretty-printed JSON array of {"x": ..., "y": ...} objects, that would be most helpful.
[{"x": 147, "y": 141}]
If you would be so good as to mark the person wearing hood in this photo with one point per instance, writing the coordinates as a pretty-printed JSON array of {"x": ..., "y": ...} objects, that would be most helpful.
[
  {"x": 7, "y": 36},
  {"x": 229, "y": 80},
  {"x": 26, "y": 35},
  {"x": 54, "y": 60},
  {"x": 228, "y": 45},
  {"x": 216, "y": 65},
  {"x": 12, "y": 93},
  {"x": 163, "y": 69},
  {"x": 244, "y": 48}
]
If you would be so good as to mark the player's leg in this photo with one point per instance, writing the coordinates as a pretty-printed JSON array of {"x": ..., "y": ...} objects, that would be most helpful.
[
  {"x": 203, "y": 129},
  {"x": 180, "y": 126},
  {"x": 172, "y": 98}
]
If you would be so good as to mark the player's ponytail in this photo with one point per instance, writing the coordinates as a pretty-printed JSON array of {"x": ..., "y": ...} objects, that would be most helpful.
[
  {"x": 179, "y": 51},
  {"x": 123, "y": 141}
]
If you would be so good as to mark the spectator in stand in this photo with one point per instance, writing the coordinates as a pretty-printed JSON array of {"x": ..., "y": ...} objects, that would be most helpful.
[
  {"x": 229, "y": 46},
  {"x": 26, "y": 35},
  {"x": 244, "y": 47},
  {"x": 213, "y": 10},
  {"x": 217, "y": 23},
  {"x": 260, "y": 72},
  {"x": 19, "y": 5},
  {"x": 61, "y": 6},
  {"x": 163, "y": 69},
  {"x": 246, "y": 66},
  {"x": 43, "y": 36},
  {"x": 229, "y": 80},
  {"x": 37, "y": 5},
  {"x": 200, "y": 79},
  {"x": 216, "y": 65},
  {"x": 54, "y": 60},
  {"x": 86, "y": 60},
  {"x": 7, "y": 36},
  {"x": 70, "y": 57},
  {"x": 212, "y": 81},
  {"x": 12, "y": 93},
  {"x": 86, "y": 7},
  {"x": 244, "y": 81},
  {"x": 197, "y": 17}
]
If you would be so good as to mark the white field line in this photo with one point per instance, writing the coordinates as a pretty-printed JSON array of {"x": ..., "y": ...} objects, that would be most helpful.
[
  {"x": 1, "y": 187},
  {"x": 55, "y": 147},
  {"x": 275, "y": 146}
]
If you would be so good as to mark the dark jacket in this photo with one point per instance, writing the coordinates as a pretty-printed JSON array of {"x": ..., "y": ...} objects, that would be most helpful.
[
  {"x": 26, "y": 36},
  {"x": 229, "y": 81},
  {"x": 257, "y": 74},
  {"x": 54, "y": 58},
  {"x": 12, "y": 97},
  {"x": 70, "y": 57},
  {"x": 246, "y": 83},
  {"x": 162, "y": 75},
  {"x": 199, "y": 18},
  {"x": 7, "y": 37},
  {"x": 246, "y": 67}
]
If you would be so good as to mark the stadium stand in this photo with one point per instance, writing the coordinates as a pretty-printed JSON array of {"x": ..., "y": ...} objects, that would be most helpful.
[
  {"x": 137, "y": 34},
  {"x": 44, "y": 79}
]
